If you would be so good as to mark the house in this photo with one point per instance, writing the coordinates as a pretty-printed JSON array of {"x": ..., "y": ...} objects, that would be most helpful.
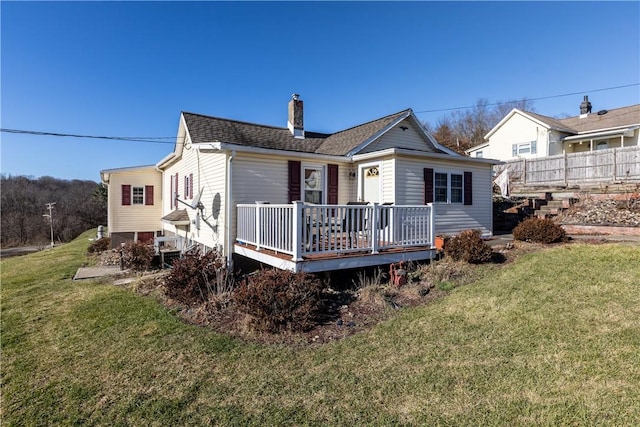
[
  {"x": 557, "y": 151},
  {"x": 523, "y": 134},
  {"x": 134, "y": 203},
  {"x": 375, "y": 193}
]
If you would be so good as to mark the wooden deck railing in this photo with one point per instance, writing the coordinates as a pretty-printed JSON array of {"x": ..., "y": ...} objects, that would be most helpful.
[{"x": 301, "y": 229}]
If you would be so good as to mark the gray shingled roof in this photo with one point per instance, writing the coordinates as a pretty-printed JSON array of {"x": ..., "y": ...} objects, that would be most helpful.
[
  {"x": 176, "y": 216},
  {"x": 553, "y": 123},
  {"x": 214, "y": 129},
  {"x": 618, "y": 117}
]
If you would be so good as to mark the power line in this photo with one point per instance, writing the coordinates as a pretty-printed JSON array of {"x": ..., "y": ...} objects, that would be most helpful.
[
  {"x": 171, "y": 139},
  {"x": 153, "y": 139},
  {"x": 531, "y": 99}
]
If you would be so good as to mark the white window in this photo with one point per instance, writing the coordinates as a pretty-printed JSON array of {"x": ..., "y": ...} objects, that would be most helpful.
[
  {"x": 602, "y": 145},
  {"x": 137, "y": 194},
  {"x": 479, "y": 154},
  {"x": 523, "y": 148},
  {"x": 448, "y": 188},
  {"x": 456, "y": 188},
  {"x": 187, "y": 186},
  {"x": 313, "y": 184},
  {"x": 441, "y": 186}
]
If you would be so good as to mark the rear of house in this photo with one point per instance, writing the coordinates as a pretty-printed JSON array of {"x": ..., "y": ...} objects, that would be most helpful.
[{"x": 389, "y": 172}]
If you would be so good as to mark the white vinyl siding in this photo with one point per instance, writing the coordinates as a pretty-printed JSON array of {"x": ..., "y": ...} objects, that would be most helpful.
[
  {"x": 209, "y": 175},
  {"x": 451, "y": 218},
  {"x": 388, "y": 181},
  {"x": 410, "y": 138},
  {"x": 266, "y": 178},
  {"x": 528, "y": 137}
]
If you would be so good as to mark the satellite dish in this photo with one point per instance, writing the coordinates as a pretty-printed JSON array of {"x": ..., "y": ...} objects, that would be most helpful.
[
  {"x": 195, "y": 203},
  {"x": 215, "y": 206}
]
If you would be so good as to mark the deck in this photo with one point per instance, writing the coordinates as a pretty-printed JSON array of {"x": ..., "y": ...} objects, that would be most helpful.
[{"x": 313, "y": 238}]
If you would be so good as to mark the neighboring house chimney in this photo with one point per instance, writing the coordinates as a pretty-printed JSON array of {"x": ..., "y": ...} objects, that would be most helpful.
[
  {"x": 585, "y": 107},
  {"x": 296, "y": 121}
]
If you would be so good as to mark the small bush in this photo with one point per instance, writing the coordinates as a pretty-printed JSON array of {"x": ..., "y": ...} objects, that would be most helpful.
[
  {"x": 468, "y": 247},
  {"x": 99, "y": 246},
  {"x": 195, "y": 277},
  {"x": 137, "y": 256},
  {"x": 539, "y": 230},
  {"x": 280, "y": 299}
]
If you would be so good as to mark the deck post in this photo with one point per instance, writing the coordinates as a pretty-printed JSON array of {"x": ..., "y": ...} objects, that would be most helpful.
[
  {"x": 431, "y": 225},
  {"x": 298, "y": 223},
  {"x": 374, "y": 228},
  {"x": 258, "y": 227}
]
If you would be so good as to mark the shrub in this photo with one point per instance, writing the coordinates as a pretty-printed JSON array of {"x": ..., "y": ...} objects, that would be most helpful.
[
  {"x": 99, "y": 246},
  {"x": 195, "y": 277},
  {"x": 539, "y": 230},
  {"x": 137, "y": 256},
  {"x": 280, "y": 299},
  {"x": 468, "y": 247}
]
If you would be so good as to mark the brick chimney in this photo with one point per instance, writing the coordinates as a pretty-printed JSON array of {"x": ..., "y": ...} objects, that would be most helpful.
[
  {"x": 585, "y": 107},
  {"x": 296, "y": 118}
]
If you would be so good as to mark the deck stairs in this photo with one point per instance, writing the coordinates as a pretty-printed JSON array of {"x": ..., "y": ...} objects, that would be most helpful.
[
  {"x": 548, "y": 206},
  {"x": 540, "y": 205}
]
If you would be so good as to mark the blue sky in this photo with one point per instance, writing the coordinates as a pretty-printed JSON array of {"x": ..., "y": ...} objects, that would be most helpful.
[{"x": 128, "y": 69}]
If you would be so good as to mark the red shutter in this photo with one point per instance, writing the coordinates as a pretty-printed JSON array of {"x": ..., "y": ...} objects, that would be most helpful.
[
  {"x": 186, "y": 188},
  {"x": 332, "y": 184},
  {"x": 191, "y": 186},
  {"x": 428, "y": 185},
  {"x": 468, "y": 190},
  {"x": 148, "y": 195},
  {"x": 126, "y": 195},
  {"x": 294, "y": 181}
]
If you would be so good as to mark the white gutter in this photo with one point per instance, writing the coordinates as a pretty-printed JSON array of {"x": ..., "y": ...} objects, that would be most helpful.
[
  {"x": 424, "y": 154},
  {"x": 166, "y": 161},
  {"x": 221, "y": 146},
  {"x": 584, "y": 136}
]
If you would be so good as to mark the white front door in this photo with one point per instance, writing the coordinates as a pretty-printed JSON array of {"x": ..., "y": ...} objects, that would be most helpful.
[{"x": 370, "y": 184}]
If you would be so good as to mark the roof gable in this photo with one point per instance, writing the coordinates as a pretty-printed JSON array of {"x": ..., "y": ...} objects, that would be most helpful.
[
  {"x": 207, "y": 129},
  {"x": 539, "y": 119}
]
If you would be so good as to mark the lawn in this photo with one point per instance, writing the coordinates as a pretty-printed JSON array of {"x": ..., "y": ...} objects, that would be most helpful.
[{"x": 551, "y": 339}]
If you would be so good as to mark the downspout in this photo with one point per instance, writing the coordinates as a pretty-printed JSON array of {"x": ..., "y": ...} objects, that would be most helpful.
[
  {"x": 229, "y": 213},
  {"x": 548, "y": 142}
]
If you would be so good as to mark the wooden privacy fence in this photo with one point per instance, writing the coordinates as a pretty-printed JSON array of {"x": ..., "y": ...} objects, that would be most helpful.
[{"x": 611, "y": 165}]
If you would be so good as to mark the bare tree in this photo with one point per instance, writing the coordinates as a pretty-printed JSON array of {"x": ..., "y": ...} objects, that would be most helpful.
[
  {"x": 463, "y": 129},
  {"x": 24, "y": 201}
]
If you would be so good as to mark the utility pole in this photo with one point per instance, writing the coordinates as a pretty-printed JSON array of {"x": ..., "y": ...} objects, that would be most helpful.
[{"x": 50, "y": 216}]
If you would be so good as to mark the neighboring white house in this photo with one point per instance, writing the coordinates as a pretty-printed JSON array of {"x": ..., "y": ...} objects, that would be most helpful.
[
  {"x": 523, "y": 134},
  {"x": 232, "y": 185}
]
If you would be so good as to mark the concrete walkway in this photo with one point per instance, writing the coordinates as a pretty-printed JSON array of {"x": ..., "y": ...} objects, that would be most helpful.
[{"x": 93, "y": 272}]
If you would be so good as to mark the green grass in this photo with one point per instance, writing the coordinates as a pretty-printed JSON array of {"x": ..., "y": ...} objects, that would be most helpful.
[{"x": 552, "y": 339}]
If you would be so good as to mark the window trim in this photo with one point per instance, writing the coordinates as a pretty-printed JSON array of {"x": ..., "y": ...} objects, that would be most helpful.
[
  {"x": 322, "y": 185},
  {"x": 137, "y": 199},
  {"x": 521, "y": 149},
  {"x": 448, "y": 188}
]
